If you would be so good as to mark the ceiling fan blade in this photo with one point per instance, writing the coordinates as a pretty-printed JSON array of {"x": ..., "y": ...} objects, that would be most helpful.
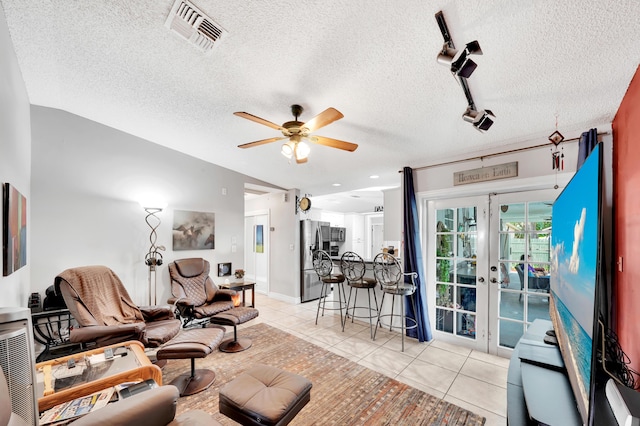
[
  {"x": 260, "y": 142},
  {"x": 258, "y": 120},
  {"x": 334, "y": 143},
  {"x": 327, "y": 116}
]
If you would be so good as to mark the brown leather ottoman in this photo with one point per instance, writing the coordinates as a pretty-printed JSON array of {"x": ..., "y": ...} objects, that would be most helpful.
[
  {"x": 264, "y": 395},
  {"x": 233, "y": 317},
  {"x": 192, "y": 343}
]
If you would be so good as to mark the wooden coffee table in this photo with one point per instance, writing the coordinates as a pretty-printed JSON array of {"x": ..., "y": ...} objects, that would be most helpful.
[
  {"x": 133, "y": 367},
  {"x": 242, "y": 285}
]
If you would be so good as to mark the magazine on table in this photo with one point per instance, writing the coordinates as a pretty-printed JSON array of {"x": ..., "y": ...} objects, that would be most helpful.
[{"x": 62, "y": 413}]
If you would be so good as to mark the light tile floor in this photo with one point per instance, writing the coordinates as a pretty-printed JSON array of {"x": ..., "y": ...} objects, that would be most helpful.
[{"x": 470, "y": 379}]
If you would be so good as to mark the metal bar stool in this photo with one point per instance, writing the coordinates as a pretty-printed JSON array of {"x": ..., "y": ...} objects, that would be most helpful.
[
  {"x": 323, "y": 266},
  {"x": 353, "y": 268},
  {"x": 388, "y": 272}
]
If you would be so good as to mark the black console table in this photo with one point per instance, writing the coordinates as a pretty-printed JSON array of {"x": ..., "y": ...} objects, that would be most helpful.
[{"x": 538, "y": 389}]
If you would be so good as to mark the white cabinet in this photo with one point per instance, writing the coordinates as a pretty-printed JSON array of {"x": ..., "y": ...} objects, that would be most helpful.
[
  {"x": 334, "y": 218},
  {"x": 392, "y": 214},
  {"x": 354, "y": 223}
]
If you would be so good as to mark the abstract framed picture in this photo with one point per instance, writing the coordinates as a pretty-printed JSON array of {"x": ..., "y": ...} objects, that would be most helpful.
[
  {"x": 224, "y": 269},
  {"x": 259, "y": 239},
  {"x": 193, "y": 230},
  {"x": 14, "y": 230}
]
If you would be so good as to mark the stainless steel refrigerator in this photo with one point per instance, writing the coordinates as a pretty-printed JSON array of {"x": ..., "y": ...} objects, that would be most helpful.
[{"x": 311, "y": 239}]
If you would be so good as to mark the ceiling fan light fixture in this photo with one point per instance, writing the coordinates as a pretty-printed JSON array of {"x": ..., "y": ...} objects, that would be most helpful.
[
  {"x": 288, "y": 149},
  {"x": 302, "y": 150}
]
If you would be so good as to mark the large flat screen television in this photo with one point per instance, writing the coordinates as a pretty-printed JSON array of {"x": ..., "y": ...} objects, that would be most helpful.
[{"x": 575, "y": 277}]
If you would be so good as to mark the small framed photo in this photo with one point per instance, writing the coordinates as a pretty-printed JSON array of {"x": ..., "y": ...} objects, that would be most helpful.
[{"x": 224, "y": 269}]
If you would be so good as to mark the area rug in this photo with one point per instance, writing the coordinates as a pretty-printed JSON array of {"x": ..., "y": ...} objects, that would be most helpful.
[{"x": 343, "y": 393}]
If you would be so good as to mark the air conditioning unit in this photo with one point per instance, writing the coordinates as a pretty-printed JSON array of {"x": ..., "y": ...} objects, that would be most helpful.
[{"x": 17, "y": 362}]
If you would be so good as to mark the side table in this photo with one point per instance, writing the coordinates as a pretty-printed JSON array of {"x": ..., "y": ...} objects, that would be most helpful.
[
  {"x": 242, "y": 285},
  {"x": 134, "y": 366}
]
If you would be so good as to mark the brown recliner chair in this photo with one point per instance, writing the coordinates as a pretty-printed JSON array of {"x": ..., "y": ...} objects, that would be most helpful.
[
  {"x": 194, "y": 293},
  {"x": 101, "y": 305}
]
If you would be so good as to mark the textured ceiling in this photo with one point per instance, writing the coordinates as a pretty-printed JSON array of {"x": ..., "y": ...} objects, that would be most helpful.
[{"x": 375, "y": 61}]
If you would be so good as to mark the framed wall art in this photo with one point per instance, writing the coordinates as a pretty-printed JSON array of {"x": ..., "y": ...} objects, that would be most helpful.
[
  {"x": 224, "y": 269},
  {"x": 193, "y": 230},
  {"x": 14, "y": 229}
]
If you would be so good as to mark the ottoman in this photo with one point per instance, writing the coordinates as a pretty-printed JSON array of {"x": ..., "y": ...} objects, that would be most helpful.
[
  {"x": 233, "y": 317},
  {"x": 192, "y": 343},
  {"x": 264, "y": 395}
]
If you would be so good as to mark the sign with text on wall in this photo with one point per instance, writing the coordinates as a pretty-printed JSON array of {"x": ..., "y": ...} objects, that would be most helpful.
[{"x": 484, "y": 174}]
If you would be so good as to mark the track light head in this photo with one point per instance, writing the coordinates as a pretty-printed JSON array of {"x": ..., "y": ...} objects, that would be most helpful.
[
  {"x": 458, "y": 61},
  {"x": 481, "y": 120}
]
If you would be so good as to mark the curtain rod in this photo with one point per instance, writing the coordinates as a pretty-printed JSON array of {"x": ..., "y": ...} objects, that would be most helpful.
[{"x": 511, "y": 151}]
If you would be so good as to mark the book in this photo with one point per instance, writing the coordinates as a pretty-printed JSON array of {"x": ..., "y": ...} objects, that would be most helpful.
[{"x": 66, "y": 411}]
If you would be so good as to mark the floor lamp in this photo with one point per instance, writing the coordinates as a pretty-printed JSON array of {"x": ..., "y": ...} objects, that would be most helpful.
[{"x": 153, "y": 257}]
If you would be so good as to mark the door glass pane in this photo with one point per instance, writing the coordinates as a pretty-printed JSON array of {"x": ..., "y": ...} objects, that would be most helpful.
[
  {"x": 444, "y": 320},
  {"x": 445, "y": 295},
  {"x": 511, "y": 305},
  {"x": 466, "y": 325},
  {"x": 538, "y": 307},
  {"x": 510, "y": 333},
  {"x": 444, "y": 270},
  {"x": 467, "y": 298}
]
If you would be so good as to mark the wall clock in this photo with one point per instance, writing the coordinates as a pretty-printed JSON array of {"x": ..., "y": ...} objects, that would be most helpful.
[{"x": 303, "y": 204}]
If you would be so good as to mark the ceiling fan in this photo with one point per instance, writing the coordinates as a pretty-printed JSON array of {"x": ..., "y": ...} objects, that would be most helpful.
[{"x": 298, "y": 133}]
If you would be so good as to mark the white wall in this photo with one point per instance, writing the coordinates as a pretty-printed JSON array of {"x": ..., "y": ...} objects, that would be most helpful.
[
  {"x": 87, "y": 181},
  {"x": 284, "y": 233},
  {"x": 15, "y": 156}
]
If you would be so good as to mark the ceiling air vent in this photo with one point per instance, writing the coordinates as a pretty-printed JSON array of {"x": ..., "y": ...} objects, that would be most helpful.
[{"x": 192, "y": 24}]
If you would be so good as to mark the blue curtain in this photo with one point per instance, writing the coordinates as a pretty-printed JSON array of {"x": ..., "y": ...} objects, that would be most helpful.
[
  {"x": 413, "y": 261},
  {"x": 588, "y": 141}
]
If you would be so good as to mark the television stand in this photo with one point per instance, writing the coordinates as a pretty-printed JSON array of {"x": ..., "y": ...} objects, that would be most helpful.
[{"x": 538, "y": 389}]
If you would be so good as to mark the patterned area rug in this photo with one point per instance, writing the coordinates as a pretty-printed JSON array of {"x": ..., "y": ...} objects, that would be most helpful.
[{"x": 343, "y": 393}]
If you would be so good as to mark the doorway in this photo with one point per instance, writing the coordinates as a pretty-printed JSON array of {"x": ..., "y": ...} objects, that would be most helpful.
[
  {"x": 489, "y": 274},
  {"x": 256, "y": 253}
]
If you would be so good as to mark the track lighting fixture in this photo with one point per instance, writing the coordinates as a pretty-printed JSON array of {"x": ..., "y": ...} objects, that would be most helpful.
[
  {"x": 462, "y": 67},
  {"x": 458, "y": 61},
  {"x": 480, "y": 119}
]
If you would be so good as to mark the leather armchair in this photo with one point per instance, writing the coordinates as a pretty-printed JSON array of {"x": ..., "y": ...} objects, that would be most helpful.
[
  {"x": 194, "y": 293},
  {"x": 103, "y": 309},
  {"x": 152, "y": 407}
]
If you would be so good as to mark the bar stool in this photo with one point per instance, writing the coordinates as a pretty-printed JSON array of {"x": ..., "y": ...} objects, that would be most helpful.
[
  {"x": 353, "y": 268},
  {"x": 388, "y": 272},
  {"x": 323, "y": 266}
]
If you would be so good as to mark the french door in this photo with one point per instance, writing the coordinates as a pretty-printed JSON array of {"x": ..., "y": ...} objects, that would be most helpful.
[
  {"x": 478, "y": 298},
  {"x": 460, "y": 271}
]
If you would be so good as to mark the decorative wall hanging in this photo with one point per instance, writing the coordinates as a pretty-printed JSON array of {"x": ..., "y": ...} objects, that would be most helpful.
[
  {"x": 224, "y": 269},
  {"x": 193, "y": 230},
  {"x": 259, "y": 239},
  {"x": 14, "y": 230},
  {"x": 557, "y": 157}
]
